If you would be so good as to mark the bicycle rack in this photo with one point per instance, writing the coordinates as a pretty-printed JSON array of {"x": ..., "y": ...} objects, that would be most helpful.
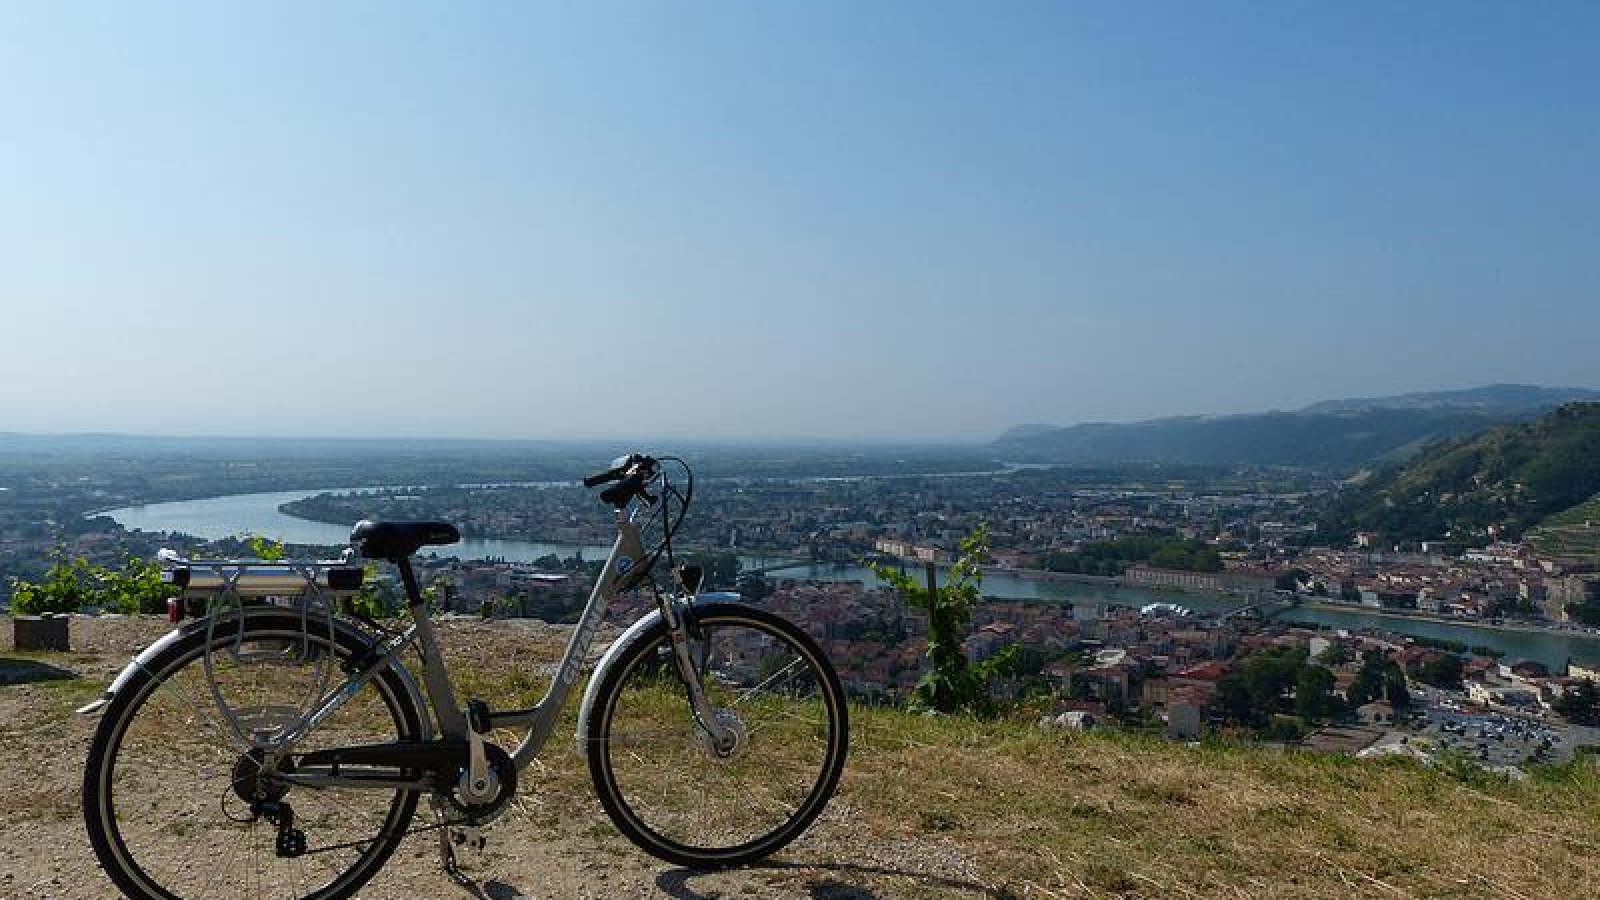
[{"x": 235, "y": 586}]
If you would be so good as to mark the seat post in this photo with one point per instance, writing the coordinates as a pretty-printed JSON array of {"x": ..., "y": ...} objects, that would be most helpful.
[{"x": 409, "y": 578}]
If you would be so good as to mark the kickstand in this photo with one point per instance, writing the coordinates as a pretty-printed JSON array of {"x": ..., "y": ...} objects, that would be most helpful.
[
  {"x": 447, "y": 852},
  {"x": 449, "y": 836}
]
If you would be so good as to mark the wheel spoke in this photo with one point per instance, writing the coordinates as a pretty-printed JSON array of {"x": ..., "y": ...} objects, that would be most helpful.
[
  {"x": 655, "y": 768},
  {"x": 177, "y": 784}
]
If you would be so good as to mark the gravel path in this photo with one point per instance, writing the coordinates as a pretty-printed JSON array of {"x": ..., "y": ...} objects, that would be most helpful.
[{"x": 555, "y": 843}]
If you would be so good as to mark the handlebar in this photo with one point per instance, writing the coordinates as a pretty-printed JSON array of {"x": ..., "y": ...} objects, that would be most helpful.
[
  {"x": 634, "y": 471},
  {"x": 619, "y": 468},
  {"x": 600, "y": 478},
  {"x": 636, "y": 476},
  {"x": 619, "y": 494}
]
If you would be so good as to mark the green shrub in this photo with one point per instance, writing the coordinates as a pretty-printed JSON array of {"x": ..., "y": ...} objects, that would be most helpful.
[{"x": 72, "y": 583}]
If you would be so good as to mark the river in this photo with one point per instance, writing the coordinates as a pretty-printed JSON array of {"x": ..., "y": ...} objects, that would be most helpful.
[{"x": 220, "y": 517}]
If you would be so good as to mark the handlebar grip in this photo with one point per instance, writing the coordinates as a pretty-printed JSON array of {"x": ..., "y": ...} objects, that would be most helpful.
[{"x": 599, "y": 478}]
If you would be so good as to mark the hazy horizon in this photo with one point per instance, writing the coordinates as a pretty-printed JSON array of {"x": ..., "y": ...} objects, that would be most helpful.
[
  {"x": 653, "y": 440},
  {"x": 905, "y": 223}
]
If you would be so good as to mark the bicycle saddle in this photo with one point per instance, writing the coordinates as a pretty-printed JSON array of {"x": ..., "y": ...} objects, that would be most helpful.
[{"x": 395, "y": 540}]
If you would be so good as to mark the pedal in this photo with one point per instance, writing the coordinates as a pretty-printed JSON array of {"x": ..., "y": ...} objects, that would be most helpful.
[
  {"x": 478, "y": 715},
  {"x": 291, "y": 843}
]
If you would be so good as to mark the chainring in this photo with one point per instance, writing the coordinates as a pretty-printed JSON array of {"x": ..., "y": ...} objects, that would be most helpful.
[{"x": 505, "y": 772}]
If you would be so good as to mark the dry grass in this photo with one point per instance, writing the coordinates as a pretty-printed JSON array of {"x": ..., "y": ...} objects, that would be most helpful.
[
  {"x": 1058, "y": 815},
  {"x": 936, "y": 807}
]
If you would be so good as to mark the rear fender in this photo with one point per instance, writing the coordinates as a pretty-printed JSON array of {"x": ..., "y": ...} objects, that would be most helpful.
[
  {"x": 147, "y": 656},
  {"x": 140, "y": 663}
]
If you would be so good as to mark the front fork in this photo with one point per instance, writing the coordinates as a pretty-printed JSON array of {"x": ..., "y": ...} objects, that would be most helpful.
[{"x": 679, "y": 630}]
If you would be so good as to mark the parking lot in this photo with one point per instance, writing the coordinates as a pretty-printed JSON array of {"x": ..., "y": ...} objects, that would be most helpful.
[{"x": 1494, "y": 738}]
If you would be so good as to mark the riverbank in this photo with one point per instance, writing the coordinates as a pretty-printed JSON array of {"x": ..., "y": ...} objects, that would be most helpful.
[
  {"x": 1514, "y": 627},
  {"x": 1303, "y": 603},
  {"x": 1047, "y": 575}
]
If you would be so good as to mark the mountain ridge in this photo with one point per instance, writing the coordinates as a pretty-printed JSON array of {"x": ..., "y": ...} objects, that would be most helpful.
[
  {"x": 1497, "y": 484},
  {"x": 1332, "y": 434}
]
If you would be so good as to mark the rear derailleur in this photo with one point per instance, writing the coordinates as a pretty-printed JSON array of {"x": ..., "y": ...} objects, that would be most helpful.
[{"x": 291, "y": 841}]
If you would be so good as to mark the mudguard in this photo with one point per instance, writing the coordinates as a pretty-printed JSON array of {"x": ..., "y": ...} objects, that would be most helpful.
[
  {"x": 141, "y": 663},
  {"x": 623, "y": 641}
]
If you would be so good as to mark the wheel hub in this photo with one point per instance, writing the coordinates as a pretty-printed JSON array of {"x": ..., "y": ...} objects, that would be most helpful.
[
  {"x": 253, "y": 777},
  {"x": 734, "y": 735}
]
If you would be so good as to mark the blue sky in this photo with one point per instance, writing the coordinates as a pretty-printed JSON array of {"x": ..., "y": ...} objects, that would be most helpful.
[{"x": 920, "y": 220}]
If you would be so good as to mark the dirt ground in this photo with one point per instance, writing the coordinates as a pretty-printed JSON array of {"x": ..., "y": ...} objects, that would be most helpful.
[{"x": 555, "y": 843}]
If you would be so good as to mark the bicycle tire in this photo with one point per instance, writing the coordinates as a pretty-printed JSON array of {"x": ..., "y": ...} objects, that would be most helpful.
[
  {"x": 155, "y": 741},
  {"x": 765, "y": 677}
]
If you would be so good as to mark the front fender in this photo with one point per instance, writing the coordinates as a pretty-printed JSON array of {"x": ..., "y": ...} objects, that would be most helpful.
[
  {"x": 607, "y": 660},
  {"x": 621, "y": 644}
]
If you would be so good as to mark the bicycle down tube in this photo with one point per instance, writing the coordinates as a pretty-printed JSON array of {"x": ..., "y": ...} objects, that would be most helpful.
[{"x": 627, "y": 552}]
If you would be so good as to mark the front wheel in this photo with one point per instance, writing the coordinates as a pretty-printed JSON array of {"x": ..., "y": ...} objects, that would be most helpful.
[{"x": 656, "y": 769}]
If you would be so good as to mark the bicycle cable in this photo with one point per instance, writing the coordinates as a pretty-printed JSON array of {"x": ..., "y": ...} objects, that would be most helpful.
[{"x": 670, "y": 525}]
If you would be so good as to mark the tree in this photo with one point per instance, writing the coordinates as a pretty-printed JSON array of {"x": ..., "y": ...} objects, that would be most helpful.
[
  {"x": 1314, "y": 699},
  {"x": 137, "y": 588},
  {"x": 1581, "y": 705},
  {"x": 1233, "y": 701},
  {"x": 1369, "y": 682},
  {"x": 1336, "y": 654},
  {"x": 1587, "y": 612},
  {"x": 950, "y": 685},
  {"x": 1442, "y": 671},
  {"x": 1269, "y": 677},
  {"x": 66, "y": 586},
  {"x": 1394, "y": 687},
  {"x": 754, "y": 588},
  {"x": 264, "y": 548},
  {"x": 371, "y": 599}
]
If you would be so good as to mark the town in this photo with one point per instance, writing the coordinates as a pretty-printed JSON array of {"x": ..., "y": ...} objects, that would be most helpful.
[{"x": 1233, "y": 550}]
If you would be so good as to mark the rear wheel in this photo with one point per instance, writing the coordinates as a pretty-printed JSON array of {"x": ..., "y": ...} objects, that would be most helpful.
[
  {"x": 178, "y": 806},
  {"x": 655, "y": 769}
]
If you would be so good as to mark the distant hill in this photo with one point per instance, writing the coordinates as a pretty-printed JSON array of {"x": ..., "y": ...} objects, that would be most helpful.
[
  {"x": 1495, "y": 399},
  {"x": 1336, "y": 435},
  {"x": 1022, "y": 432},
  {"x": 1496, "y": 484}
]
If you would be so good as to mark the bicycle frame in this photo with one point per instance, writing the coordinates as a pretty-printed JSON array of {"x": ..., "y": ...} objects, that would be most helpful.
[
  {"x": 279, "y": 682},
  {"x": 619, "y": 572},
  {"x": 540, "y": 719}
]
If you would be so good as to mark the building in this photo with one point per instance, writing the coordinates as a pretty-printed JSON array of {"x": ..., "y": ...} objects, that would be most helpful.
[
  {"x": 1584, "y": 670},
  {"x": 1378, "y": 712}
]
